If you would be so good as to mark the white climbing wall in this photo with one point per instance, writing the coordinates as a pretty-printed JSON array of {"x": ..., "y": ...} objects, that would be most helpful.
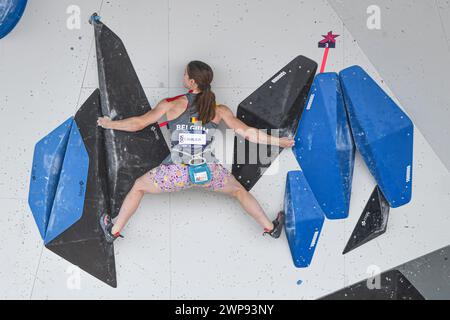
[{"x": 193, "y": 244}]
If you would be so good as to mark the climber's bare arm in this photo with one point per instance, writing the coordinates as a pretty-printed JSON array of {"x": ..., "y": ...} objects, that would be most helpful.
[
  {"x": 134, "y": 124},
  {"x": 251, "y": 134}
]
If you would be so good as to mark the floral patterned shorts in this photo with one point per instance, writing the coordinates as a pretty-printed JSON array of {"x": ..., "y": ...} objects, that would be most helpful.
[{"x": 175, "y": 177}]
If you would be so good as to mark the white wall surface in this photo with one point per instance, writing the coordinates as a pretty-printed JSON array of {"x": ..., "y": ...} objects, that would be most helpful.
[
  {"x": 411, "y": 52},
  {"x": 192, "y": 244}
]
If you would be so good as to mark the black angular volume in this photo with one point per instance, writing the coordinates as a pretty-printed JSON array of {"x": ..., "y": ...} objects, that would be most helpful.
[
  {"x": 278, "y": 104},
  {"x": 129, "y": 155},
  {"x": 83, "y": 244},
  {"x": 393, "y": 285},
  {"x": 373, "y": 221}
]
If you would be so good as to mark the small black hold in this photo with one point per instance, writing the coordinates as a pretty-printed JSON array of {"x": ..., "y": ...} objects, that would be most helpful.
[{"x": 373, "y": 221}]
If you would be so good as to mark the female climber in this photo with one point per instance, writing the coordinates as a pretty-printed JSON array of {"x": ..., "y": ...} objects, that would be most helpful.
[{"x": 192, "y": 120}]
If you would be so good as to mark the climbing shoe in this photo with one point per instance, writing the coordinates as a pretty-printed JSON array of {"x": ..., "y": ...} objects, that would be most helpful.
[
  {"x": 107, "y": 225},
  {"x": 278, "y": 226}
]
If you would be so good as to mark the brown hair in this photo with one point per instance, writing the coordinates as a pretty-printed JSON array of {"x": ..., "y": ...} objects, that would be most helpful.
[{"x": 206, "y": 99}]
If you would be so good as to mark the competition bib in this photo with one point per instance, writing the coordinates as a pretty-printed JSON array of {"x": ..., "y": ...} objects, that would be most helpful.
[{"x": 192, "y": 139}]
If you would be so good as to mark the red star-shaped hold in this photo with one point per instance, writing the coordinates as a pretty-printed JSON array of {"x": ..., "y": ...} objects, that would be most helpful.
[{"x": 330, "y": 39}]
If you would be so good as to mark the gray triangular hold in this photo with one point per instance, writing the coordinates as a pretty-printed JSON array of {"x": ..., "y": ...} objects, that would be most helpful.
[{"x": 393, "y": 286}]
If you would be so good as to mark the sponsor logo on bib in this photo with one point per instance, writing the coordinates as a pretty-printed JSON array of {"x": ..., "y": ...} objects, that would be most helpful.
[{"x": 192, "y": 139}]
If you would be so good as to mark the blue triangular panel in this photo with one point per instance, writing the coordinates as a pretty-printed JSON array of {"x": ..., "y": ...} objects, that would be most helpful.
[
  {"x": 324, "y": 146},
  {"x": 70, "y": 193},
  {"x": 304, "y": 219},
  {"x": 47, "y": 163},
  {"x": 383, "y": 134}
]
